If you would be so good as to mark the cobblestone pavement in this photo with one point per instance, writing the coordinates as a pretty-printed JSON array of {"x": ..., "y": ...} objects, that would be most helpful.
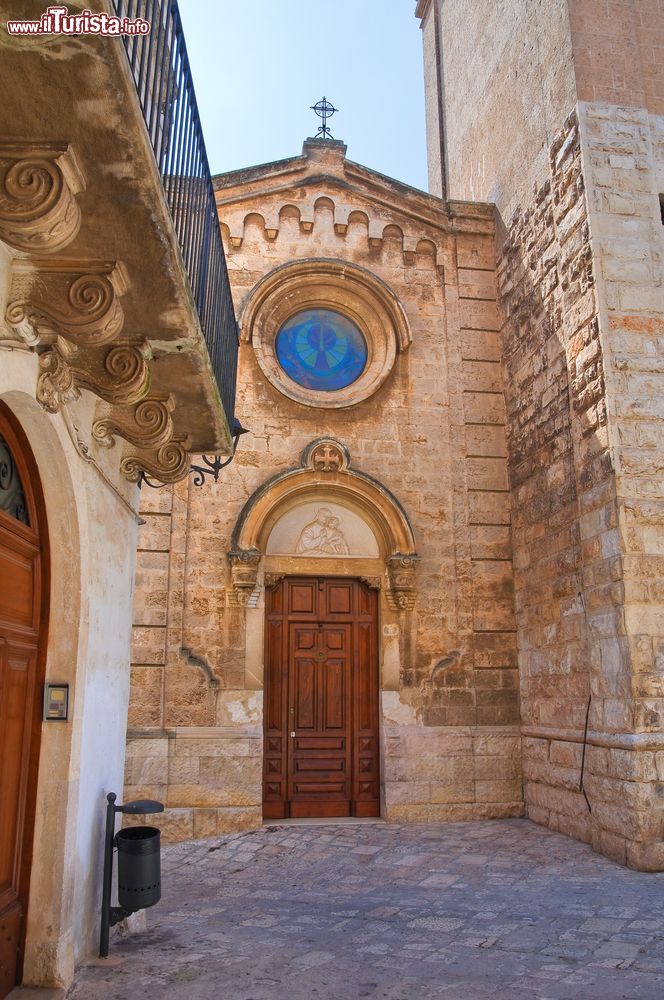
[{"x": 500, "y": 909}]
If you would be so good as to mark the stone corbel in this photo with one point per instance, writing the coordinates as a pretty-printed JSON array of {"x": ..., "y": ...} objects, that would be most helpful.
[
  {"x": 273, "y": 579},
  {"x": 372, "y": 582},
  {"x": 38, "y": 184},
  {"x": 147, "y": 424},
  {"x": 125, "y": 375},
  {"x": 78, "y": 301},
  {"x": 401, "y": 573},
  {"x": 244, "y": 575},
  {"x": 168, "y": 463}
]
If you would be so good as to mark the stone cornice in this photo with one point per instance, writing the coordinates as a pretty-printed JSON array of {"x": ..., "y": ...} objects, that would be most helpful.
[{"x": 612, "y": 741}]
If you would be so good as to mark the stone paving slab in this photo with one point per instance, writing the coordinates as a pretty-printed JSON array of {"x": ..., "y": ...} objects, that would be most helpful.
[{"x": 499, "y": 909}]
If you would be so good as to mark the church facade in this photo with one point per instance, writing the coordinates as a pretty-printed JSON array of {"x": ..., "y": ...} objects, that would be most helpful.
[
  {"x": 330, "y": 629},
  {"x": 429, "y": 586}
]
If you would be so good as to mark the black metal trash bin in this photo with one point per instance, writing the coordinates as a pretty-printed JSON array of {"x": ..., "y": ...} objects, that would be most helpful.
[{"x": 139, "y": 867}]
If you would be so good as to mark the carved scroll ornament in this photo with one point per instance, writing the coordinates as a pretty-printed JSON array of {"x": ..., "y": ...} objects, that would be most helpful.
[
  {"x": 168, "y": 464},
  {"x": 125, "y": 377},
  {"x": 38, "y": 210},
  {"x": 69, "y": 311},
  {"x": 148, "y": 424},
  {"x": 79, "y": 302}
]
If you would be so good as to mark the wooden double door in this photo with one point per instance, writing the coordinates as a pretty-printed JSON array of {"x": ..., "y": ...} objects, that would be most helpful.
[
  {"x": 321, "y": 754},
  {"x": 23, "y": 610}
]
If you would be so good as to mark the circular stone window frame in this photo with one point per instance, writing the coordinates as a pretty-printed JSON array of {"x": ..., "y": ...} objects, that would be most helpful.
[{"x": 323, "y": 283}]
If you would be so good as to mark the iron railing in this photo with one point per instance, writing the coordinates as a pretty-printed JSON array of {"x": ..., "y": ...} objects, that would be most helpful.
[{"x": 160, "y": 67}]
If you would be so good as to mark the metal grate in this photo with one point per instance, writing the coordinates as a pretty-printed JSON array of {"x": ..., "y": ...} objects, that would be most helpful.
[{"x": 165, "y": 89}]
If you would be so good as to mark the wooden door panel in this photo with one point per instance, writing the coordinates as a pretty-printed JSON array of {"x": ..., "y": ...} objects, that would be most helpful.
[
  {"x": 318, "y": 632},
  {"x": 303, "y": 684},
  {"x": 275, "y": 709},
  {"x": 366, "y": 685},
  {"x": 10, "y": 934},
  {"x": 320, "y": 743},
  {"x": 17, "y": 605},
  {"x": 302, "y": 598},
  {"x": 17, "y": 662},
  {"x": 23, "y": 611},
  {"x": 334, "y": 696},
  {"x": 366, "y": 759},
  {"x": 319, "y": 708},
  {"x": 338, "y": 598}
]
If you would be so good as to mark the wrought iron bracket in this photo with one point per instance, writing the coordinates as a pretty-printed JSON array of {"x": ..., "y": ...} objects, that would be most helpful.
[{"x": 213, "y": 465}]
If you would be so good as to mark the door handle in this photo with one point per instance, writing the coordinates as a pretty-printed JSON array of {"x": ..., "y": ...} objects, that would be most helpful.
[{"x": 292, "y": 735}]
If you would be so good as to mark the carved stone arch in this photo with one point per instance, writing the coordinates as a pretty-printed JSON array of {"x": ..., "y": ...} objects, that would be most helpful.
[
  {"x": 325, "y": 475},
  {"x": 325, "y": 283}
]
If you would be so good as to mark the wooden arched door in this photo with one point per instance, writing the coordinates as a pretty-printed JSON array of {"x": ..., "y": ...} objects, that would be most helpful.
[{"x": 23, "y": 616}]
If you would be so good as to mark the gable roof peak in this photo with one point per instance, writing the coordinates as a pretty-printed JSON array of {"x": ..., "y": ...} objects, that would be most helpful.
[{"x": 324, "y": 149}]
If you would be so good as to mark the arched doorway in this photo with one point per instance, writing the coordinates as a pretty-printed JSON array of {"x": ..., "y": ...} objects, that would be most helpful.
[
  {"x": 332, "y": 552},
  {"x": 23, "y": 623}
]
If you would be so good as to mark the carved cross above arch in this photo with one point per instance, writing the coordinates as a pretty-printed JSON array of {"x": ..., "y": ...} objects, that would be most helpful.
[
  {"x": 327, "y": 458},
  {"x": 326, "y": 455}
]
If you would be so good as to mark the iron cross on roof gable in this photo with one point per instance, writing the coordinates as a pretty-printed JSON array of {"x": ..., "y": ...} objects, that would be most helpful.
[{"x": 324, "y": 110}]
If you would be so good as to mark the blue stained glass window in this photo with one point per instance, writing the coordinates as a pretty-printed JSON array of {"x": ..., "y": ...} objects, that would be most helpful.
[{"x": 321, "y": 349}]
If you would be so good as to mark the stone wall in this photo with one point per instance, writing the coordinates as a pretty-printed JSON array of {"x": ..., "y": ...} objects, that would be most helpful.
[
  {"x": 618, "y": 51},
  {"x": 559, "y": 472},
  {"x": 623, "y": 161},
  {"x": 505, "y": 87},
  {"x": 448, "y": 664},
  {"x": 576, "y": 187}
]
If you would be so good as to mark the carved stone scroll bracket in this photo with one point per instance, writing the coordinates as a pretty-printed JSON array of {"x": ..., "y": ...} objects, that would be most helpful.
[
  {"x": 56, "y": 385},
  {"x": 401, "y": 573},
  {"x": 124, "y": 378},
  {"x": 326, "y": 455},
  {"x": 38, "y": 184},
  {"x": 244, "y": 577},
  {"x": 168, "y": 463},
  {"x": 273, "y": 579},
  {"x": 77, "y": 300},
  {"x": 147, "y": 424},
  {"x": 372, "y": 582}
]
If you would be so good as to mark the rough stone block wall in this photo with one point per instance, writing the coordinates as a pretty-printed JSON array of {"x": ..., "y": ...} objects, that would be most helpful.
[
  {"x": 581, "y": 287},
  {"x": 554, "y": 111},
  {"x": 624, "y": 167},
  {"x": 555, "y": 416}
]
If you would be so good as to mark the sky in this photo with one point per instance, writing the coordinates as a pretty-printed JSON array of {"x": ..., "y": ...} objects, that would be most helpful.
[{"x": 258, "y": 66}]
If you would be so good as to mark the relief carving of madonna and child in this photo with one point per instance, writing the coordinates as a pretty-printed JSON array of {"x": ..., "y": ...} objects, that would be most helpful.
[{"x": 322, "y": 536}]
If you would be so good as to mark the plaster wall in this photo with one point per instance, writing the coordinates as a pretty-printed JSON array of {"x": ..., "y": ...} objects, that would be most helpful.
[
  {"x": 450, "y": 745},
  {"x": 92, "y": 537}
]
